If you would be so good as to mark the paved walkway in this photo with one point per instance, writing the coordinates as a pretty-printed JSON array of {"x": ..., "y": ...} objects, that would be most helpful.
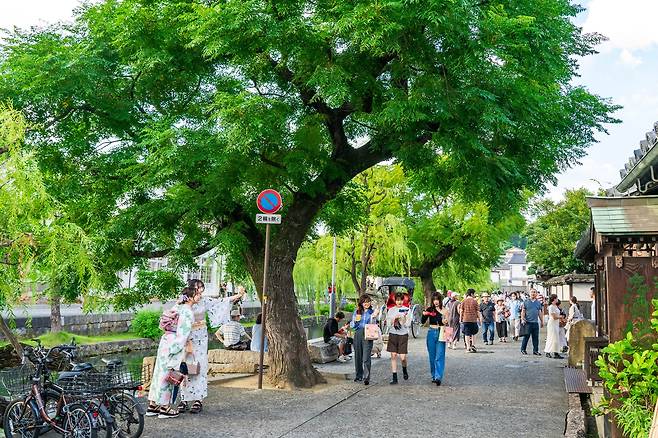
[{"x": 493, "y": 393}]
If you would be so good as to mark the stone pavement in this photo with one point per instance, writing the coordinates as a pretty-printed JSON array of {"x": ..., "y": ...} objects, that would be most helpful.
[{"x": 493, "y": 393}]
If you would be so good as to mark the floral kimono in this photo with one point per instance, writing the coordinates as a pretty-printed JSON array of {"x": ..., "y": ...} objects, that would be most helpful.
[
  {"x": 218, "y": 311},
  {"x": 171, "y": 352}
]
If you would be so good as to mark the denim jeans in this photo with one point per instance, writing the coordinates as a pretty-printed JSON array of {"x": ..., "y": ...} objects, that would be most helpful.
[
  {"x": 533, "y": 327},
  {"x": 488, "y": 327},
  {"x": 437, "y": 354}
]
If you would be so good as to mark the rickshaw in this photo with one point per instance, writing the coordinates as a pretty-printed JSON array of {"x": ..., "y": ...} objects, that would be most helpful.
[{"x": 392, "y": 285}]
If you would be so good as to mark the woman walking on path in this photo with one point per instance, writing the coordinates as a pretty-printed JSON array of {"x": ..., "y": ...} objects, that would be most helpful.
[
  {"x": 363, "y": 315},
  {"x": 552, "y": 347},
  {"x": 171, "y": 352},
  {"x": 398, "y": 322},
  {"x": 218, "y": 311},
  {"x": 501, "y": 314},
  {"x": 436, "y": 349},
  {"x": 515, "y": 315},
  {"x": 453, "y": 319}
]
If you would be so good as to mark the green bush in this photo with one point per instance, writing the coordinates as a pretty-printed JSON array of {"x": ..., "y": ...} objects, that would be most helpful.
[
  {"x": 147, "y": 324},
  {"x": 323, "y": 309},
  {"x": 348, "y": 307},
  {"x": 629, "y": 369}
]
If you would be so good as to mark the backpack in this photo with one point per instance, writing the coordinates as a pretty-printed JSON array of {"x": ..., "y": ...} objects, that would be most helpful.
[{"x": 169, "y": 320}]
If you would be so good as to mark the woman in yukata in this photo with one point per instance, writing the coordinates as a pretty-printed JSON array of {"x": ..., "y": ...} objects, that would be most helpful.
[
  {"x": 171, "y": 352},
  {"x": 218, "y": 310}
]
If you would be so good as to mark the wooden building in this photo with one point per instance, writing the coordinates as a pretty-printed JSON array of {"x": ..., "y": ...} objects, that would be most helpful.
[{"x": 621, "y": 243}]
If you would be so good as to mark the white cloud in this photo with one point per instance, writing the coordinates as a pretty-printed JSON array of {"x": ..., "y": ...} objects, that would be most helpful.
[
  {"x": 28, "y": 13},
  {"x": 628, "y": 58},
  {"x": 630, "y": 25}
]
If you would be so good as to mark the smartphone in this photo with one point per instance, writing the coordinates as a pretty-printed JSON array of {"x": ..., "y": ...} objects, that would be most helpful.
[{"x": 404, "y": 310}]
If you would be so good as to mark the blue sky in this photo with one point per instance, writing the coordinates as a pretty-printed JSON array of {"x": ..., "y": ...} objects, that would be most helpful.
[{"x": 624, "y": 70}]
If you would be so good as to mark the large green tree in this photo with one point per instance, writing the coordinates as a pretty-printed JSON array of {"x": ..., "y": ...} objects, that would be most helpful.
[
  {"x": 553, "y": 235},
  {"x": 159, "y": 121}
]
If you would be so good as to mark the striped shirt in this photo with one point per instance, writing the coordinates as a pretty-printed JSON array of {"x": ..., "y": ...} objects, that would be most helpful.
[
  {"x": 470, "y": 310},
  {"x": 232, "y": 332}
]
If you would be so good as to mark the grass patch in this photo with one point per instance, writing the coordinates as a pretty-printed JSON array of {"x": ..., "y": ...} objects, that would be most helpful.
[{"x": 52, "y": 339}]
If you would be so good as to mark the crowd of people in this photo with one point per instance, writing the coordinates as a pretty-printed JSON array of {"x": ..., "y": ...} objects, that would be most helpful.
[
  {"x": 182, "y": 355},
  {"x": 511, "y": 317}
]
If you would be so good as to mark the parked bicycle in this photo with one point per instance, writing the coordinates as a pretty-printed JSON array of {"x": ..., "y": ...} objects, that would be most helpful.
[
  {"x": 25, "y": 416},
  {"x": 108, "y": 392}
]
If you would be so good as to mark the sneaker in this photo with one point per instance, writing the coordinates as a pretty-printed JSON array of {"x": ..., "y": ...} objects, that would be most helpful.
[
  {"x": 524, "y": 352},
  {"x": 536, "y": 353},
  {"x": 438, "y": 382},
  {"x": 366, "y": 382},
  {"x": 342, "y": 359}
]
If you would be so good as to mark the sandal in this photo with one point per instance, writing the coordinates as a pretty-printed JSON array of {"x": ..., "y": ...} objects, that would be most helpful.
[
  {"x": 182, "y": 406},
  {"x": 196, "y": 407},
  {"x": 153, "y": 410},
  {"x": 168, "y": 413}
]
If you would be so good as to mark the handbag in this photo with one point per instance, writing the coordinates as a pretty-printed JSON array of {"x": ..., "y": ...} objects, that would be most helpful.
[
  {"x": 193, "y": 367},
  {"x": 442, "y": 334},
  {"x": 447, "y": 332},
  {"x": 371, "y": 332},
  {"x": 174, "y": 377},
  {"x": 524, "y": 330}
]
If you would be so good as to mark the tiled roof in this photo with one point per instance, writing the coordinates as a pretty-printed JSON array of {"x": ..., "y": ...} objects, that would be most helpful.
[
  {"x": 625, "y": 216},
  {"x": 517, "y": 259}
]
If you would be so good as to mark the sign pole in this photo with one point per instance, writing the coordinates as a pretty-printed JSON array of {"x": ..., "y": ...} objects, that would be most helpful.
[
  {"x": 332, "y": 297},
  {"x": 264, "y": 307}
]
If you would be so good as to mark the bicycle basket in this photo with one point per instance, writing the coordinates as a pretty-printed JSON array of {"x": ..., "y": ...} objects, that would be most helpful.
[{"x": 17, "y": 381}]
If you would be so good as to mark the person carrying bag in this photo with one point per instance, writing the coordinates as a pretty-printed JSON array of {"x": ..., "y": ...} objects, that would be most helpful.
[
  {"x": 437, "y": 336},
  {"x": 167, "y": 376}
]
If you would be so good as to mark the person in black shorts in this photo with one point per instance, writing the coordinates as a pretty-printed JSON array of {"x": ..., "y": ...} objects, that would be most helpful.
[{"x": 398, "y": 320}]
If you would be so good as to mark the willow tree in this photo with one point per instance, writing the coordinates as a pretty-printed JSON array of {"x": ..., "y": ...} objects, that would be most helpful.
[
  {"x": 38, "y": 243},
  {"x": 163, "y": 119}
]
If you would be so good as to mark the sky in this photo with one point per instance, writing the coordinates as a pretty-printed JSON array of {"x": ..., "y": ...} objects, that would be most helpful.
[{"x": 624, "y": 71}]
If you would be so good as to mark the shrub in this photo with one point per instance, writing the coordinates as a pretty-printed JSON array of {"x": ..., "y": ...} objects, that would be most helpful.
[
  {"x": 629, "y": 370},
  {"x": 349, "y": 307},
  {"x": 146, "y": 324},
  {"x": 323, "y": 309}
]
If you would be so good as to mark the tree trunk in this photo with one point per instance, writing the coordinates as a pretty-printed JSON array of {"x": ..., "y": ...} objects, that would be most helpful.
[
  {"x": 428, "y": 285},
  {"x": 290, "y": 361},
  {"x": 55, "y": 313},
  {"x": 11, "y": 337}
]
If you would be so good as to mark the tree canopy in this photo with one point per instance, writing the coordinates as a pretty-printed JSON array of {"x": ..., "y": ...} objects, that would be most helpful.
[
  {"x": 158, "y": 121},
  {"x": 553, "y": 235}
]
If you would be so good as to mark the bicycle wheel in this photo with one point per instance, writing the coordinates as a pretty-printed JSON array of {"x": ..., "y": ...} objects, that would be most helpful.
[
  {"x": 128, "y": 417},
  {"x": 79, "y": 422},
  {"x": 19, "y": 420}
]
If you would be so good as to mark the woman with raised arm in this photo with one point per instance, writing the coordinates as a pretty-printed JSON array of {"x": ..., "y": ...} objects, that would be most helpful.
[{"x": 218, "y": 312}]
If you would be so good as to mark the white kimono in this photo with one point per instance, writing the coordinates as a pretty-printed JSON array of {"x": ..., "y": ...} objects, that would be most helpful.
[
  {"x": 552, "y": 331},
  {"x": 218, "y": 311}
]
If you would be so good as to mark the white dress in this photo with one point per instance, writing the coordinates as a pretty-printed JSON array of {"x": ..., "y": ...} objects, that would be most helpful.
[
  {"x": 552, "y": 330},
  {"x": 218, "y": 311}
]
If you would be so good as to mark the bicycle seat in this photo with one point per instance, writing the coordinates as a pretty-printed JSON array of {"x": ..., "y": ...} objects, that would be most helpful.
[
  {"x": 82, "y": 366},
  {"x": 112, "y": 362}
]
